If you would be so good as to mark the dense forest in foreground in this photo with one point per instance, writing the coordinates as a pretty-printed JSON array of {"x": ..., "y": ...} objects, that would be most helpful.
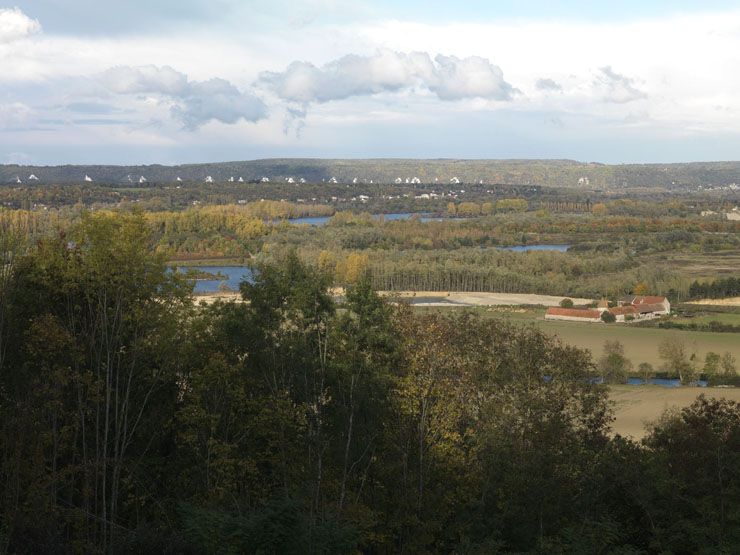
[{"x": 134, "y": 421}]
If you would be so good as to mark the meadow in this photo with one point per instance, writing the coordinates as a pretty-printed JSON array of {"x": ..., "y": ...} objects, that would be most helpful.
[{"x": 636, "y": 407}]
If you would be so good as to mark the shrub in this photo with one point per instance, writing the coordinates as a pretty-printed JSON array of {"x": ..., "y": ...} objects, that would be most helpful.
[
  {"x": 607, "y": 317},
  {"x": 566, "y": 303}
]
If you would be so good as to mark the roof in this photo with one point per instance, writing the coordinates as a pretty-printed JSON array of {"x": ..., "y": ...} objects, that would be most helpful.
[
  {"x": 622, "y": 310},
  {"x": 640, "y": 299},
  {"x": 573, "y": 312},
  {"x": 643, "y": 308}
]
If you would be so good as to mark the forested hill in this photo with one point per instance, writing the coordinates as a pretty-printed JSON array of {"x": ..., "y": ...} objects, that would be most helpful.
[{"x": 564, "y": 173}]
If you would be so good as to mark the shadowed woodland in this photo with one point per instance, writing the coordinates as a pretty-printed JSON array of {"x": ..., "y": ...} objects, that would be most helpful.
[{"x": 134, "y": 421}]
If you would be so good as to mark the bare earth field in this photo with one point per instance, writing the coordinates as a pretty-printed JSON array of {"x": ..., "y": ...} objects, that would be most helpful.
[
  {"x": 730, "y": 301},
  {"x": 441, "y": 298},
  {"x": 481, "y": 299},
  {"x": 636, "y": 405}
]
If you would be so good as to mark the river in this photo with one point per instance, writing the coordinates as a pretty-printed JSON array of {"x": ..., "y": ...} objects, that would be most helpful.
[{"x": 423, "y": 217}]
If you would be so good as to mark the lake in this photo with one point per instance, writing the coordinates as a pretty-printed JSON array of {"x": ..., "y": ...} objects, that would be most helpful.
[
  {"x": 663, "y": 382},
  {"x": 234, "y": 275},
  {"x": 423, "y": 217},
  {"x": 527, "y": 248}
]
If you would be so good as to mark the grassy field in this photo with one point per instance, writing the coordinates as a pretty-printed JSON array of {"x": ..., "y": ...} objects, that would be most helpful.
[
  {"x": 636, "y": 405},
  {"x": 641, "y": 344},
  {"x": 701, "y": 317}
]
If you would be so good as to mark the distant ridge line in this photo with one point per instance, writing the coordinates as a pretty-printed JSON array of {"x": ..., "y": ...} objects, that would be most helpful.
[{"x": 547, "y": 172}]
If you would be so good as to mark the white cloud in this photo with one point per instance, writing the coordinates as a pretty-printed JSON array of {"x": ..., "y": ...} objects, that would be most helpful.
[
  {"x": 449, "y": 77},
  {"x": 471, "y": 77},
  {"x": 144, "y": 79},
  {"x": 194, "y": 103},
  {"x": 14, "y": 115},
  {"x": 548, "y": 85},
  {"x": 617, "y": 88},
  {"x": 15, "y": 25}
]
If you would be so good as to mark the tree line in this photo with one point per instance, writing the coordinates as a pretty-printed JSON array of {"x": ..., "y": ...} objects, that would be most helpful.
[{"x": 716, "y": 289}]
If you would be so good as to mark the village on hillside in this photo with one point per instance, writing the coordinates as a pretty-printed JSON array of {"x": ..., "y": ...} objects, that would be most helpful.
[{"x": 630, "y": 308}]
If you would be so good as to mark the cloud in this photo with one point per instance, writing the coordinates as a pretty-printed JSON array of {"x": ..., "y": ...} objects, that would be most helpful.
[
  {"x": 91, "y": 108},
  {"x": 219, "y": 100},
  {"x": 144, "y": 79},
  {"x": 548, "y": 85},
  {"x": 449, "y": 77},
  {"x": 295, "y": 118},
  {"x": 617, "y": 88},
  {"x": 194, "y": 103},
  {"x": 472, "y": 77},
  {"x": 15, "y": 25},
  {"x": 14, "y": 115}
]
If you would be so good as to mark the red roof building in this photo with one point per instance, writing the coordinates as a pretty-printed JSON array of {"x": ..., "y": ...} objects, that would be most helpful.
[{"x": 574, "y": 314}]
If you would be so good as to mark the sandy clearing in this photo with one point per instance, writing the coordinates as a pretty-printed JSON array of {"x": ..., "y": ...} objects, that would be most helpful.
[
  {"x": 637, "y": 405},
  {"x": 439, "y": 298},
  {"x": 484, "y": 299},
  {"x": 730, "y": 301},
  {"x": 498, "y": 299},
  {"x": 210, "y": 298}
]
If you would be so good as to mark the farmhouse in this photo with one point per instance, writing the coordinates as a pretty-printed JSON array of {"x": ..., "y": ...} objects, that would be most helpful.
[
  {"x": 630, "y": 308},
  {"x": 658, "y": 305},
  {"x": 624, "y": 313},
  {"x": 573, "y": 314}
]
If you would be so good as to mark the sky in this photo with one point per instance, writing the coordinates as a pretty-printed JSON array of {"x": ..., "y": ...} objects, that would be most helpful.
[{"x": 185, "y": 81}]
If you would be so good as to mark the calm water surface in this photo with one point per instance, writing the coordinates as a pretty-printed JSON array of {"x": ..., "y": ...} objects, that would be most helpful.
[
  {"x": 423, "y": 216},
  {"x": 527, "y": 248},
  {"x": 233, "y": 276}
]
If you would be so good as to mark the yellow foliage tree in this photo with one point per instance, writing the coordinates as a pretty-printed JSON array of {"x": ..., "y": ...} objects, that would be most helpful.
[
  {"x": 355, "y": 267},
  {"x": 599, "y": 209},
  {"x": 641, "y": 288}
]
